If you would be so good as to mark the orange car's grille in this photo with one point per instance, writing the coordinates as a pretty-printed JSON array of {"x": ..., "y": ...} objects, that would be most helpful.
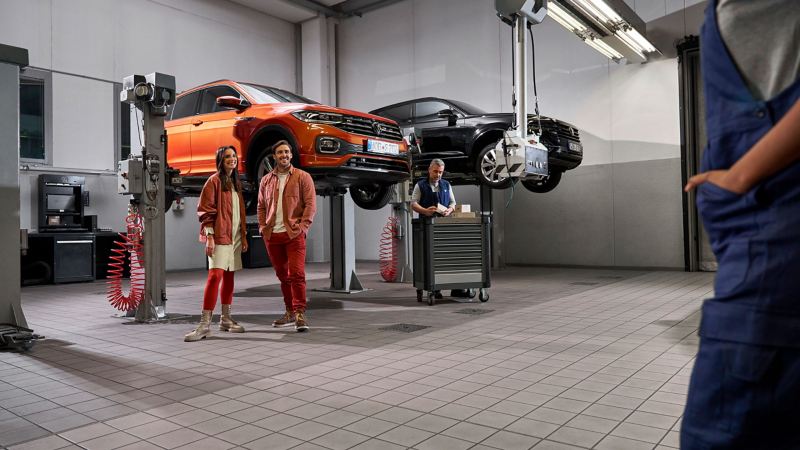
[{"x": 369, "y": 127}]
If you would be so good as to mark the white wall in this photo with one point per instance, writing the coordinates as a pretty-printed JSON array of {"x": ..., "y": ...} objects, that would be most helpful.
[
  {"x": 628, "y": 117},
  {"x": 91, "y": 44}
]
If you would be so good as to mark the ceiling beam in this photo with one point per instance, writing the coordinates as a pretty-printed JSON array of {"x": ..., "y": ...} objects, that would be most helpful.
[
  {"x": 317, "y": 7},
  {"x": 359, "y": 7}
]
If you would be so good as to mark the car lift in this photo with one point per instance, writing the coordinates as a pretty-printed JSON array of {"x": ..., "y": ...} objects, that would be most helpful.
[
  {"x": 523, "y": 155},
  {"x": 143, "y": 177},
  {"x": 344, "y": 279},
  {"x": 14, "y": 331}
]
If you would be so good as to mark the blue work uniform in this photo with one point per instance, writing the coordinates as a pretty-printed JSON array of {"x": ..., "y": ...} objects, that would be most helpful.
[
  {"x": 744, "y": 391},
  {"x": 429, "y": 198}
]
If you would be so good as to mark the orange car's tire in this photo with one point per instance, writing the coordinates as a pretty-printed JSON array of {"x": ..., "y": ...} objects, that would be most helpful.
[{"x": 371, "y": 196}]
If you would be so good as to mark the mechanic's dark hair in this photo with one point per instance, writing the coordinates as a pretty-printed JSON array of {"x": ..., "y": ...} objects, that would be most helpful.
[
  {"x": 279, "y": 143},
  {"x": 228, "y": 181}
]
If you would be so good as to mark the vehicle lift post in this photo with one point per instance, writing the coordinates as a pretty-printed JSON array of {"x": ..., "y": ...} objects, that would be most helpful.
[
  {"x": 344, "y": 279},
  {"x": 143, "y": 177},
  {"x": 401, "y": 211},
  {"x": 13, "y": 326}
]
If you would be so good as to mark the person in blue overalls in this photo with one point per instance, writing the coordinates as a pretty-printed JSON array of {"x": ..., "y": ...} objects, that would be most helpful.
[
  {"x": 433, "y": 195},
  {"x": 745, "y": 386}
]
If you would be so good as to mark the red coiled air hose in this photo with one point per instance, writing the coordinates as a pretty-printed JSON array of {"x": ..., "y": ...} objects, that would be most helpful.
[
  {"x": 129, "y": 246},
  {"x": 387, "y": 255}
]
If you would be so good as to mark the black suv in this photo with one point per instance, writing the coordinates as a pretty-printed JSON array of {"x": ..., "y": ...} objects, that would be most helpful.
[{"x": 464, "y": 137}]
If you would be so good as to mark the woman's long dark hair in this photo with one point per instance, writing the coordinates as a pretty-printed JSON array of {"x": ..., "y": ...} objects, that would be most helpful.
[{"x": 228, "y": 181}]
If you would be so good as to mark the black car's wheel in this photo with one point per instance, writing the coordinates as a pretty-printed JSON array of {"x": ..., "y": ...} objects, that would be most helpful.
[
  {"x": 544, "y": 185},
  {"x": 486, "y": 169},
  {"x": 371, "y": 196}
]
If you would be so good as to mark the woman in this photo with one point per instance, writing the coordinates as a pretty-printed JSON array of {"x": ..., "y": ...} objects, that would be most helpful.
[{"x": 222, "y": 217}]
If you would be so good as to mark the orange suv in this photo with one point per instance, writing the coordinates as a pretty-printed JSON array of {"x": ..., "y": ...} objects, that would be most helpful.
[{"x": 340, "y": 148}]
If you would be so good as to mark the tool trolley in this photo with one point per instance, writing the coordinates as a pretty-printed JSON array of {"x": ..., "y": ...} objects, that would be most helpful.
[{"x": 451, "y": 253}]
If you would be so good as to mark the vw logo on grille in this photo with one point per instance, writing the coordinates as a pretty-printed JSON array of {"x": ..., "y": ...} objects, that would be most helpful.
[{"x": 376, "y": 127}]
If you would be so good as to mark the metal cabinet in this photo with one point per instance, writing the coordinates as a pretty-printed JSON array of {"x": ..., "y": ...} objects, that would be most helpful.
[{"x": 451, "y": 253}]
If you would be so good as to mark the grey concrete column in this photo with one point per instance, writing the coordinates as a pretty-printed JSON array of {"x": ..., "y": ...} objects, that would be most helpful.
[{"x": 11, "y": 59}]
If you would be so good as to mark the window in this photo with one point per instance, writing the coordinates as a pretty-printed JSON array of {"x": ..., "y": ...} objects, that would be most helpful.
[
  {"x": 427, "y": 111},
  {"x": 208, "y": 103},
  {"x": 400, "y": 113},
  {"x": 261, "y": 94},
  {"x": 32, "y": 119},
  {"x": 185, "y": 106}
]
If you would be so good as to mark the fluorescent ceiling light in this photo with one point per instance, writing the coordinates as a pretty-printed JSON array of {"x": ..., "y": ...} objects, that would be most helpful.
[
  {"x": 597, "y": 21},
  {"x": 641, "y": 40},
  {"x": 566, "y": 19},
  {"x": 604, "y": 48}
]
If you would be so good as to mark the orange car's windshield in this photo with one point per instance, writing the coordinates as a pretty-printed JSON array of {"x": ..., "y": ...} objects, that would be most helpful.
[{"x": 264, "y": 94}]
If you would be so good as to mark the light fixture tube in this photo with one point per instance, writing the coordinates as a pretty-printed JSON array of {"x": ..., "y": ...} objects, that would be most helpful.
[
  {"x": 606, "y": 10},
  {"x": 641, "y": 40},
  {"x": 564, "y": 18},
  {"x": 627, "y": 40},
  {"x": 604, "y": 48}
]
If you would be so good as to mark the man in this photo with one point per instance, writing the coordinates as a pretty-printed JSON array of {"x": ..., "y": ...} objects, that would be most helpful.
[
  {"x": 286, "y": 207},
  {"x": 744, "y": 386},
  {"x": 433, "y": 191}
]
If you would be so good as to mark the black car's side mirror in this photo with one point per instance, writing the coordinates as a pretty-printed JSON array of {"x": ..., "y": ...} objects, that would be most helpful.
[
  {"x": 448, "y": 114},
  {"x": 413, "y": 144},
  {"x": 229, "y": 101}
]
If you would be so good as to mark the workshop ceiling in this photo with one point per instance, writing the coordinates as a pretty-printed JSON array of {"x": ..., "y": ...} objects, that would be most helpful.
[{"x": 297, "y": 11}]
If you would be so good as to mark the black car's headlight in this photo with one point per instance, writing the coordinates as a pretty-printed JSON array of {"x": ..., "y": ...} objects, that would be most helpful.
[{"x": 318, "y": 117}]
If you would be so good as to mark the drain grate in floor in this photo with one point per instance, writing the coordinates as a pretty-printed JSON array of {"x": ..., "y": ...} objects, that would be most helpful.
[
  {"x": 584, "y": 283},
  {"x": 404, "y": 327},
  {"x": 473, "y": 311}
]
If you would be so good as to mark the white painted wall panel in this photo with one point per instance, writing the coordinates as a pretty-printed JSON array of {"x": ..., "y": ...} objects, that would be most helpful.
[
  {"x": 84, "y": 37},
  {"x": 26, "y": 24},
  {"x": 83, "y": 123}
]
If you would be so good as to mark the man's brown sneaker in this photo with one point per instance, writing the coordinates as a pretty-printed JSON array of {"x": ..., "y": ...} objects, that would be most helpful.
[
  {"x": 287, "y": 320},
  {"x": 300, "y": 323}
]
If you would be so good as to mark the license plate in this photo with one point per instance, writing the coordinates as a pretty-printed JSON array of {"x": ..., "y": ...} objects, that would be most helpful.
[
  {"x": 387, "y": 148},
  {"x": 575, "y": 147}
]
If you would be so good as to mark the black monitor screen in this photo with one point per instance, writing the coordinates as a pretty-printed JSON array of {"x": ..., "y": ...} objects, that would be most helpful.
[{"x": 61, "y": 202}]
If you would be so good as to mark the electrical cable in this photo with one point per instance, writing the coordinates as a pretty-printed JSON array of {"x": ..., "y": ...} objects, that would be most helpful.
[{"x": 533, "y": 74}]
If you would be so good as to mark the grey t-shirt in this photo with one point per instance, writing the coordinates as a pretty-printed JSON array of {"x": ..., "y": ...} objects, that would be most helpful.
[{"x": 763, "y": 37}]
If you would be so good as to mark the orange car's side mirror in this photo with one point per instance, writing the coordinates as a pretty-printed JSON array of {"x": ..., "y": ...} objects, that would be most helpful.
[{"x": 229, "y": 101}]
